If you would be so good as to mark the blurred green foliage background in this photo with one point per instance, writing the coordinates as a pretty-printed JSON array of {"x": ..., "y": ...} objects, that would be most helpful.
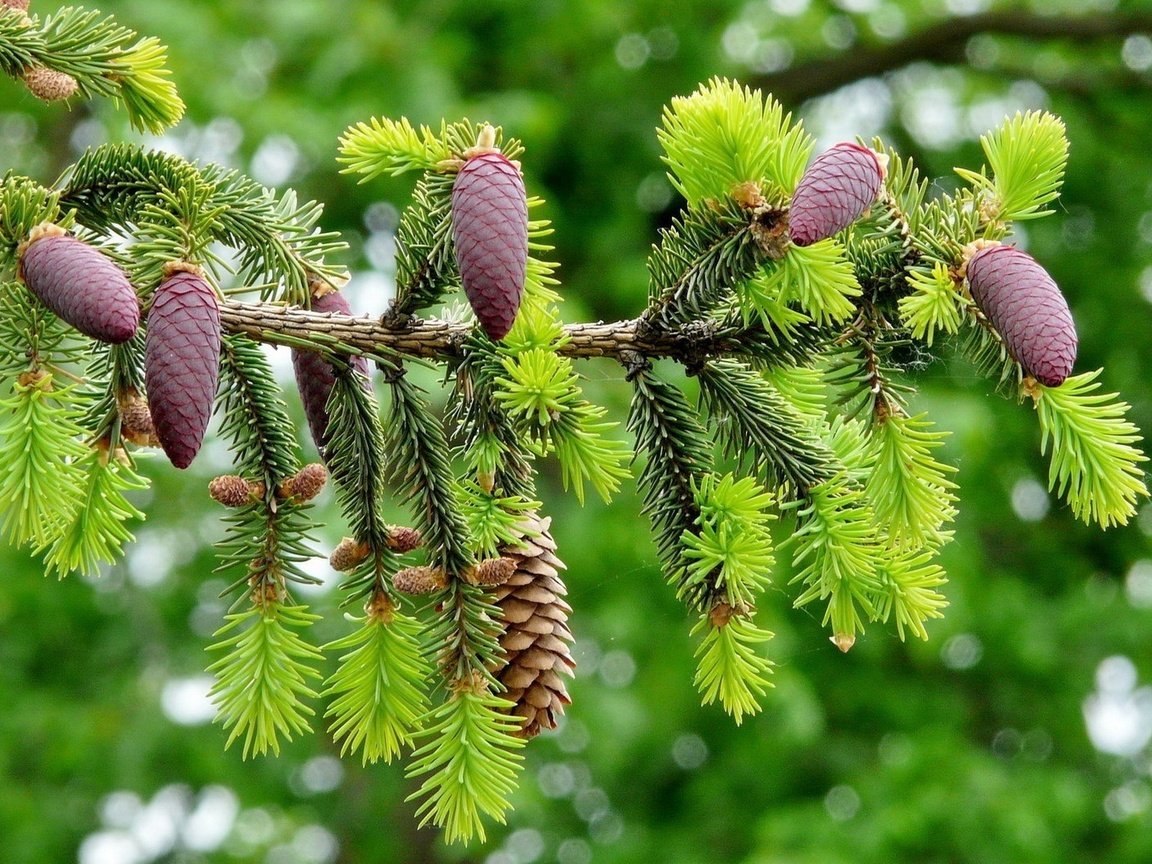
[{"x": 1019, "y": 733}]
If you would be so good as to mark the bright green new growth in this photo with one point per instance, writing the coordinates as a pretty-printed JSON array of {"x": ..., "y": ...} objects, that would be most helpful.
[
  {"x": 378, "y": 692},
  {"x": 262, "y": 679},
  {"x": 1094, "y": 463},
  {"x": 1027, "y": 155},
  {"x": 724, "y": 135},
  {"x": 769, "y": 383}
]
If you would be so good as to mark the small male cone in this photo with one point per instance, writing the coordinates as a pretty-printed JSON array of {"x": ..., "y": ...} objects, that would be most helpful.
[
  {"x": 836, "y": 190},
  {"x": 182, "y": 363},
  {"x": 490, "y": 233},
  {"x": 50, "y": 85},
  {"x": 536, "y": 641},
  {"x": 1027, "y": 309},
  {"x": 80, "y": 284},
  {"x": 315, "y": 376}
]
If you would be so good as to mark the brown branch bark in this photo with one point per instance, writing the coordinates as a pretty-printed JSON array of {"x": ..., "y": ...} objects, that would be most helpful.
[
  {"x": 434, "y": 339},
  {"x": 945, "y": 43}
]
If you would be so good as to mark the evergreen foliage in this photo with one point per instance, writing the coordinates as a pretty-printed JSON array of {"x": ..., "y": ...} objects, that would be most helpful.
[{"x": 799, "y": 356}]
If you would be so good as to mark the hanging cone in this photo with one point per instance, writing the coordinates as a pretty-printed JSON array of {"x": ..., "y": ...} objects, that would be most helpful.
[{"x": 536, "y": 640}]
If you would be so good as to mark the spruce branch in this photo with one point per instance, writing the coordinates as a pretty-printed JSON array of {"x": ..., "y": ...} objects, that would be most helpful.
[
  {"x": 262, "y": 680},
  {"x": 95, "y": 533},
  {"x": 728, "y": 664},
  {"x": 378, "y": 693},
  {"x": 1095, "y": 465},
  {"x": 105, "y": 58}
]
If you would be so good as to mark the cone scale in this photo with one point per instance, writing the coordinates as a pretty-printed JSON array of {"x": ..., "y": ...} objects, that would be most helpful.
[
  {"x": 836, "y": 190},
  {"x": 490, "y": 233},
  {"x": 1027, "y": 309},
  {"x": 81, "y": 285},
  {"x": 315, "y": 376},
  {"x": 182, "y": 363}
]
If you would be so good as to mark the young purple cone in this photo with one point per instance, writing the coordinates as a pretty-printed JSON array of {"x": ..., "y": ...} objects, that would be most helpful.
[
  {"x": 1027, "y": 310},
  {"x": 835, "y": 191},
  {"x": 315, "y": 376},
  {"x": 81, "y": 285},
  {"x": 490, "y": 230},
  {"x": 182, "y": 362}
]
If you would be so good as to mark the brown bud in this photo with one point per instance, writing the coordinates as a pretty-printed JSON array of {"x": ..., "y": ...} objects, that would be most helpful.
[
  {"x": 420, "y": 580},
  {"x": 305, "y": 484},
  {"x": 22, "y": 5},
  {"x": 233, "y": 491},
  {"x": 136, "y": 420},
  {"x": 347, "y": 554},
  {"x": 49, "y": 84},
  {"x": 401, "y": 539},
  {"x": 492, "y": 572}
]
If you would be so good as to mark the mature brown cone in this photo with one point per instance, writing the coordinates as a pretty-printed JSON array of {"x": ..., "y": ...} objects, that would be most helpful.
[{"x": 536, "y": 640}]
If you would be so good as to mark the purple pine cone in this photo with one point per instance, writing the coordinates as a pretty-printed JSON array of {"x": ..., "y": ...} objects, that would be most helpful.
[
  {"x": 182, "y": 363},
  {"x": 1027, "y": 309},
  {"x": 490, "y": 230},
  {"x": 82, "y": 286},
  {"x": 315, "y": 376},
  {"x": 835, "y": 191}
]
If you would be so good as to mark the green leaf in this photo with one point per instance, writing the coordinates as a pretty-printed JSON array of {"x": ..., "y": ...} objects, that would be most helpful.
[
  {"x": 262, "y": 678},
  {"x": 1094, "y": 466},
  {"x": 728, "y": 666},
  {"x": 96, "y": 533},
  {"x": 378, "y": 692},
  {"x": 149, "y": 95},
  {"x": 933, "y": 304},
  {"x": 1027, "y": 154},
  {"x": 41, "y": 452},
  {"x": 493, "y": 520},
  {"x": 469, "y": 766},
  {"x": 724, "y": 135}
]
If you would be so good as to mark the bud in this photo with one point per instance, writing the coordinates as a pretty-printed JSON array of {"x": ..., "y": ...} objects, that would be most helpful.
[
  {"x": 420, "y": 580},
  {"x": 1027, "y": 310},
  {"x": 490, "y": 233},
  {"x": 315, "y": 376},
  {"x": 836, "y": 190},
  {"x": 182, "y": 362},
  {"x": 348, "y": 553},
  {"x": 401, "y": 539},
  {"x": 233, "y": 491},
  {"x": 136, "y": 420},
  {"x": 305, "y": 484},
  {"x": 49, "y": 85},
  {"x": 491, "y": 572},
  {"x": 80, "y": 284},
  {"x": 15, "y": 4}
]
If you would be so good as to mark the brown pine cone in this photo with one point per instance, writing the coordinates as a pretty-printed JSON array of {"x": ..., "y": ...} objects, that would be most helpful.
[
  {"x": 305, "y": 484},
  {"x": 536, "y": 640}
]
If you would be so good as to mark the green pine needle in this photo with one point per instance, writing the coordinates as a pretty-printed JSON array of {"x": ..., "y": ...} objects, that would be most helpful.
[
  {"x": 493, "y": 520},
  {"x": 42, "y": 453},
  {"x": 262, "y": 678},
  {"x": 539, "y": 385},
  {"x": 1095, "y": 466},
  {"x": 96, "y": 533},
  {"x": 836, "y": 555},
  {"x": 392, "y": 147},
  {"x": 150, "y": 97},
  {"x": 469, "y": 766},
  {"x": 724, "y": 135},
  {"x": 379, "y": 692},
  {"x": 728, "y": 666},
  {"x": 818, "y": 278},
  {"x": 910, "y": 491},
  {"x": 908, "y": 583},
  {"x": 1027, "y": 154},
  {"x": 933, "y": 304},
  {"x": 586, "y": 453}
]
